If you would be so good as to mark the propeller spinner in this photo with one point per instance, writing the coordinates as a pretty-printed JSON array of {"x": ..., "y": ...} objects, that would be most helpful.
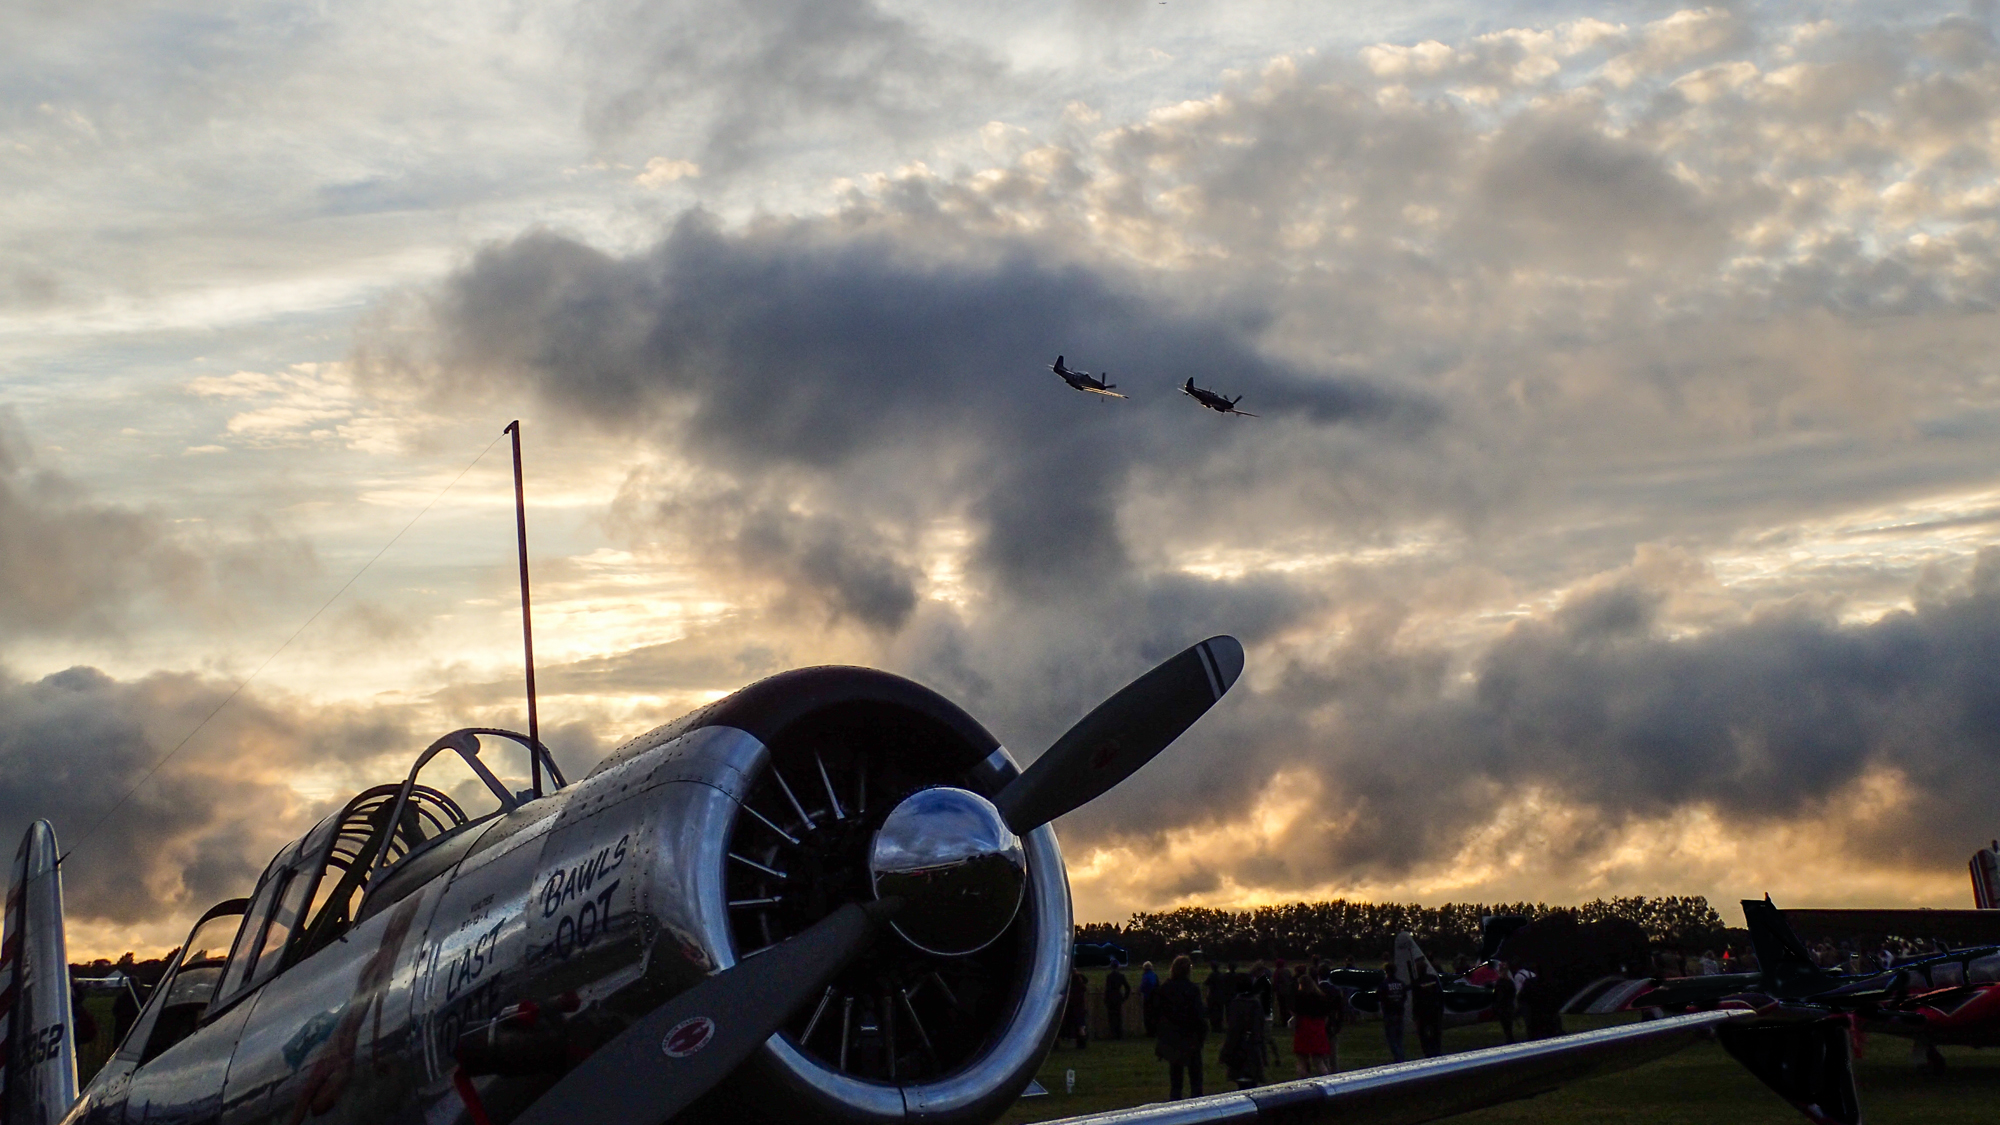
[{"x": 962, "y": 870}]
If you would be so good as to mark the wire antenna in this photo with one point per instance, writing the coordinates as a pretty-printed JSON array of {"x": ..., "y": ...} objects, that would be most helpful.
[
  {"x": 238, "y": 690},
  {"x": 527, "y": 616}
]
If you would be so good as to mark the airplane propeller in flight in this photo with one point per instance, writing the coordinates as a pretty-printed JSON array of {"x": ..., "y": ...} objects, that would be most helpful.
[{"x": 673, "y": 1055}]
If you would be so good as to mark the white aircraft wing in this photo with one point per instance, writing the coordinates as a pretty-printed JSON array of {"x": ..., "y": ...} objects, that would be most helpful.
[{"x": 1411, "y": 1092}]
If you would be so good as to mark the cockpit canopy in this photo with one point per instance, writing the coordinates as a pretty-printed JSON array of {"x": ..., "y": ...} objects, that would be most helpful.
[
  {"x": 319, "y": 884},
  {"x": 384, "y": 843}
]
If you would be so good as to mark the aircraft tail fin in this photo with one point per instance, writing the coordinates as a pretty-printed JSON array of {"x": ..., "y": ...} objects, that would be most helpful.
[
  {"x": 1986, "y": 877},
  {"x": 1495, "y": 929},
  {"x": 40, "y": 1047},
  {"x": 1783, "y": 958},
  {"x": 1809, "y": 1064},
  {"x": 1059, "y": 363}
]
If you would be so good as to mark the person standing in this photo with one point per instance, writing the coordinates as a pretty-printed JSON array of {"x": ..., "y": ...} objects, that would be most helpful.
[
  {"x": 1149, "y": 984},
  {"x": 1392, "y": 995},
  {"x": 1427, "y": 1004},
  {"x": 1541, "y": 1008},
  {"x": 1115, "y": 992},
  {"x": 1283, "y": 987},
  {"x": 1312, "y": 1047},
  {"x": 1076, "y": 1013},
  {"x": 1182, "y": 1020},
  {"x": 1217, "y": 989},
  {"x": 1342, "y": 1013},
  {"x": 1524, "y": 1000},
  {"x": 1260, "y": 985},
  {"x": 1243, "y": 1042},
  {"x": 1505, "y": 995}
]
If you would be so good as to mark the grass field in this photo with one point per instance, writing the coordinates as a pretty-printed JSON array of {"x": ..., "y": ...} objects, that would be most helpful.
[
  {"x": 90, "y": 1056},
  {"x": 1698, "y": 1086}
]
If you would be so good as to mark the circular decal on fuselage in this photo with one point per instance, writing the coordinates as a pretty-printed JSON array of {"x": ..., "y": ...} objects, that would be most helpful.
[{"x": 688, "y": 1036}]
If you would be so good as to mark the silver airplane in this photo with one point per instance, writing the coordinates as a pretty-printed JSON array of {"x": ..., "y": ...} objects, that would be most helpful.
[
  {"x": 1081, "y": 380},
  {"x": 829, "y": 897},
  {"x": 1214, "y": 401}
]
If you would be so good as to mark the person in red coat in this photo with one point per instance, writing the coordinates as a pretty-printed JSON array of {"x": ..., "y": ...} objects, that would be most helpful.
[{"x": 1312, "y": 1047}]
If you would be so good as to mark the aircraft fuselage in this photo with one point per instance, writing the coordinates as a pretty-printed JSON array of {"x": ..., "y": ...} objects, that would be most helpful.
[{"x": 598, "y": 903}]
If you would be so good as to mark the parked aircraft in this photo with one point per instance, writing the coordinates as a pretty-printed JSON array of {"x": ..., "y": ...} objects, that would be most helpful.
[
  {"x": 1955, "y": 1003},
  {"x": 1946, "y": 999},
  {"x": 830, "y": 896},
  {"x": 1214, "y": 401},
  {"x": 1979, "y": 925},
  {"x": 1464, "y": 1003},
  {"x": 1081, "y": 380}
]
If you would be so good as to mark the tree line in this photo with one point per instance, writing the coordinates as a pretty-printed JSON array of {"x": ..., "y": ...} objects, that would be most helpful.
[{"x": 1341, "y": 928}]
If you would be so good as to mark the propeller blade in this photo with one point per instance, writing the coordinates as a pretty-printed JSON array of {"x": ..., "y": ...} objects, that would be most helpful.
[
  {"x": 1125, "y": 732},
  {"x": 677, "y": 1052}
]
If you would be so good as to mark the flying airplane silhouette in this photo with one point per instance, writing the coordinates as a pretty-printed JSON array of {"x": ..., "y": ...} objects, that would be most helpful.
[
  {"x": 1081, "y": 380},
  {"x": 1214, "y": 401}
]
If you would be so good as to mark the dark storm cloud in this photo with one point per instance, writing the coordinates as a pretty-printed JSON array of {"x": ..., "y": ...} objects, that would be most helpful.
[
  {"x": 817, "y": 558},
  {"x": 1763, "y": 719},
  {"x": 885, "y": 386},
  {"x": 768, "y": 71},
  {"x": 1766, "y": 722},
  {"x": 73, "y": 743}
]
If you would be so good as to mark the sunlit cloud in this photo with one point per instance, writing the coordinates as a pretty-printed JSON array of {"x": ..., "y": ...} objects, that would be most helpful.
[{"x": 1612, "y": 523}]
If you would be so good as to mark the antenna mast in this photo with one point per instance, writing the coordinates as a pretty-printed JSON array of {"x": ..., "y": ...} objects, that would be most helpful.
[{"x": 527, "y": 618}]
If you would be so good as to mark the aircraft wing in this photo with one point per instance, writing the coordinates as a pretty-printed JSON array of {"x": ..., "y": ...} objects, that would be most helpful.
[
  {"x": 1101, "y": 391},
  {"x": 1956, "y": 927},
  {"x": 1406, "y": 1093}
]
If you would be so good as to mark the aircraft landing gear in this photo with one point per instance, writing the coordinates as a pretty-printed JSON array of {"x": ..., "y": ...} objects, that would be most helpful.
[{"x": 1924, "y": 1055}]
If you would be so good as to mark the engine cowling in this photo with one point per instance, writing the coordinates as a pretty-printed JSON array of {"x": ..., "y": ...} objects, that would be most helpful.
[{"x": 792, "y": 778}]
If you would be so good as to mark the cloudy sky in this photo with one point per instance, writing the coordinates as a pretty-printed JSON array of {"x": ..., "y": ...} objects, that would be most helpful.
[{"x": 1613, "y": 522}]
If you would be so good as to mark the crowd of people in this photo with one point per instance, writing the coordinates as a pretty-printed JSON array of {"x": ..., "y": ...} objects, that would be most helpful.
[
  {"x": 1670, "y": 963},
  {"x": 1249, "y": 1012}
]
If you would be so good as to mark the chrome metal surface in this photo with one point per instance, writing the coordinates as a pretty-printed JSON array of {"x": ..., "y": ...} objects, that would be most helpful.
[
  {"x": 831, "y": 797},
  {"x": 1432, "y": 1088},
  {"x": 992, "y": 775},
  {"x": 41, "y": 1077},
  {"x": 794, "y": 801},
  {"x": 693, "y": 823},
  {"x": 960, "y": 869},
  {"x": 1009, "y": 1062}
]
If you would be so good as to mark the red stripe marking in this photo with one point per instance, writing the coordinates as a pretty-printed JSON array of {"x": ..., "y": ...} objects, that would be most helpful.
[{"x": 469, "y": 1094}]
